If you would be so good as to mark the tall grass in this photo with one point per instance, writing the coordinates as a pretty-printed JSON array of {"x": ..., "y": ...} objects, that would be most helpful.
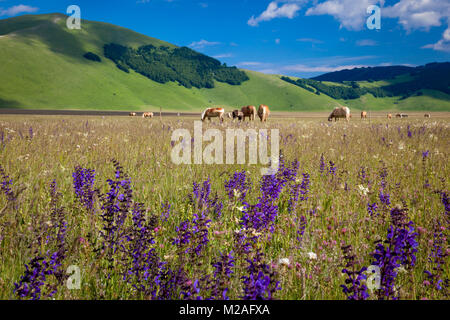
[{"x": 297, "y": 254}]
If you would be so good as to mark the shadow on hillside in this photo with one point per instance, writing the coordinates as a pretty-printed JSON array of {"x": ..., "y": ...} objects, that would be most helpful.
[
  {"x": 9, "y": 103},
  {"x": 58, "y": 38}
]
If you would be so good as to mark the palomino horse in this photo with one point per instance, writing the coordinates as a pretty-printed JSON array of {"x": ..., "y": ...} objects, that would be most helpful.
[
  {"x": 212, "y": 113},
  {"x": 249, "y": 111},
  {"x": 340, "y": 112},
  {"x": 263, "y": 113},
  {"x": 363, "y": 115}
]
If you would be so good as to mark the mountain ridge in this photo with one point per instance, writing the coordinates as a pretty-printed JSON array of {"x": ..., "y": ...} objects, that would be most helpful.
[{"x": 45, "y": 68}]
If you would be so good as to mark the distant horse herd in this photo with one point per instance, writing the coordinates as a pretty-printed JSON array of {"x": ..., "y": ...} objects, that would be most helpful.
[
  {"x": 245, "y": 112},
  {"x": 263, "y": 113}
]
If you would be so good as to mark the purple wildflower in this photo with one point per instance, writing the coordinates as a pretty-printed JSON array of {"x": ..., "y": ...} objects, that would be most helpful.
[
  {"x": 116, "y": 204},
  {"x": 223, "y": 269},
  {"x": 372, "y": 208},
  {"x": 437, "y": 257},
  {"x": 238, "y": 186},
  {"x": 165, "y": 207},
  {"x": 332, "y": 168},
  {"x": 6, "y": 184},
  {"x": 201, "y": 198},
  {"x": 400, "y": 249},
  {"x": 301, "y": 229},
  {"x": 353, "y": 288},
  {"x": 142, "y": 263},
  {"x": 385, "y": 198},
  {"x": 322, "y": 164},
  {"x": 83, "y": 183},
  {"x": 33, "y": 284},
  {"x": 261, "y": 283}
]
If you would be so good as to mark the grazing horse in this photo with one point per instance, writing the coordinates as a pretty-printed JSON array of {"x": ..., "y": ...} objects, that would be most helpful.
[
  {"x": 236, "y": 114},
  {"x": 427, "y": 115},
  {"x": 363, "y": 115},
  {"x": 340, "y": 112},
  {"x": 263, "y": 113},
  {"x": 249, "y": 111},
  {"x": 147, "y": 115},
  {"x": 401, "y": 115},
  {"x": 212, "y": 113},
  {"x": 132, "y": 114},
  {"x": 389, "y": 116}
]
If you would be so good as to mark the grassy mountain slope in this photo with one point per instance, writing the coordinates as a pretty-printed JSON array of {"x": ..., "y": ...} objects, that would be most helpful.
[{"x": 43, "y": 67}]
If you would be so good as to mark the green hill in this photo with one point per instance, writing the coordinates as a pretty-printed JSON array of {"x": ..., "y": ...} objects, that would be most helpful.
[{"x": 44, "y": 66}]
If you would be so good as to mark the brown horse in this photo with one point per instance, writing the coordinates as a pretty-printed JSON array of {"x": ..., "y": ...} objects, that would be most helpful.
[
  {"x": 389, "y": 116},
  {"x": 263, "y": 113},
  {"x": 363, "y": 115},
  {"x": 147, "y": 115},
  {"x": 213, "y": 113},
  {"x": 236, "y": 114},
  {"x": 249, "y": 111},
  {"x": 132, "y": 114}
]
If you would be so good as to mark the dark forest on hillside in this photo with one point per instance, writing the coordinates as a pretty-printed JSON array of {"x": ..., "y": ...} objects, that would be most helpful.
[
  {"x": 433, "y": 76},
  {"x": 183, "y": 65}
]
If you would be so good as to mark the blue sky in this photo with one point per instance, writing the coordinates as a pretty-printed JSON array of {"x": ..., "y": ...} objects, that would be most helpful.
[{"x": 292, "y": 37}]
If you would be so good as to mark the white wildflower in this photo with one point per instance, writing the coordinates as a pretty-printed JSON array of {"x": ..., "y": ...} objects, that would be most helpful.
[
  {"x": 312, "y": 256},
  {"x": 284, "y": 261},
  {"x": 362, "y": 190}
]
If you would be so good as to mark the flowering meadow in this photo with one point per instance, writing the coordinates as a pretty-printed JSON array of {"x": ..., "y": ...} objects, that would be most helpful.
[{"x": 357, "y": 210}]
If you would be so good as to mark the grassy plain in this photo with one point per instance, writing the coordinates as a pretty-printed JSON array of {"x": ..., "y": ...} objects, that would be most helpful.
[{"x": 37, "y": 149}]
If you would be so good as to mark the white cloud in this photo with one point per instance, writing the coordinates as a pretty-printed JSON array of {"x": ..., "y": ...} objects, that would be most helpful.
[
  {"x": 309, "y": 69},
  {"x": 15, "y": 10},
  {"x": 423, "y": 15},
  {"x": 288, "y": 9},
  {"x": 277, "y": 41},
  {"x": 202, "y": 44},
  {"x": 418, "y": 14},
  {"x": 310, "y": 40},
  {"x": 249, "y": 64},
  {"x": 224, "y": 55},
  {"x": 312, "y": 65},
  {"x": 352, "y": 14},
  {"x": 443, "y": 44},
  {"x": 366, "y": 43}
]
